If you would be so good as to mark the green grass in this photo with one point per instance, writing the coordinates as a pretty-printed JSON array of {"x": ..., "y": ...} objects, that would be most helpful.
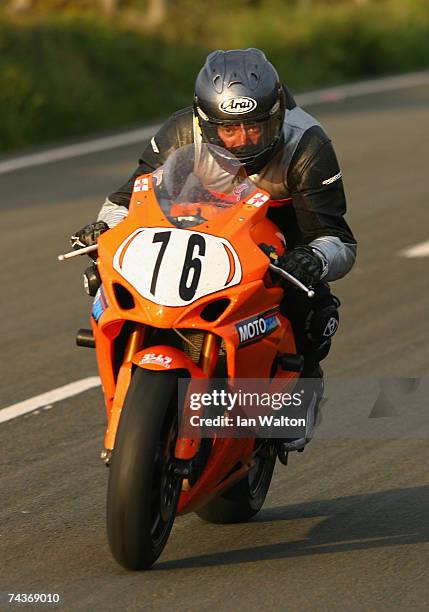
[{"x": 64, "y": 75}]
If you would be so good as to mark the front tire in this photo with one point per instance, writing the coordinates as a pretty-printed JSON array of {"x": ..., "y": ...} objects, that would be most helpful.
[
  {"x": 244, "y": 499},
  {"x": 143, "y": 490}
]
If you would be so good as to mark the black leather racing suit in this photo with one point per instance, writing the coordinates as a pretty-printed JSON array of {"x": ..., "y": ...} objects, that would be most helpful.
[{"x": 305, "y": 176}]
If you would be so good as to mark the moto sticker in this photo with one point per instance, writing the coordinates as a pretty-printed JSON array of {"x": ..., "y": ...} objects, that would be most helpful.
[{"x": 253, "y": 329}]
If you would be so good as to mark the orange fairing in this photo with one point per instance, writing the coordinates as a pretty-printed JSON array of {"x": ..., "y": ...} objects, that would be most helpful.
[
  {"x": 244, "y": 286},
  {"x": 174, "y": 271},
  {"x": 236, "y": 223}
]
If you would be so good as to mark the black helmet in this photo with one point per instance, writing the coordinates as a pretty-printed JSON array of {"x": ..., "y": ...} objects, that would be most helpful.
[{"x": 241, "y": 88}]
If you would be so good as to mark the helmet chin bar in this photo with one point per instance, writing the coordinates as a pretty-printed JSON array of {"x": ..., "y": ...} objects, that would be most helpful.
[
  {"x": 252, "y": 162},
  {"x": 255, "y": 163}
]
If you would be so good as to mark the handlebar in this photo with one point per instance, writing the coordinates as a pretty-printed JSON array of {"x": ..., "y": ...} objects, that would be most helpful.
[
  {"x": 273, "y": 268},
  {"x": 82, "y": 251}
]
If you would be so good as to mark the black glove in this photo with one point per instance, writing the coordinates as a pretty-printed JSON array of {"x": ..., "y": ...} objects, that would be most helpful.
[
  {"x": 303, "y": 263},
  {"x": 88, "y": 235}
]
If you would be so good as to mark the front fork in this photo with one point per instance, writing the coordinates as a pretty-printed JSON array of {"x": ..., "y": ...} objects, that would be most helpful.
[
  {"x": 209, "y": 354},
  {"x": 134, "y": 344}
]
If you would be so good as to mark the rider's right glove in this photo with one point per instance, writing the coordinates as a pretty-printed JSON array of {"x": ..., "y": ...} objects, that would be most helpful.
[
  {"x": 304, "y": 264},
  {"x": 88, "y": 235}
]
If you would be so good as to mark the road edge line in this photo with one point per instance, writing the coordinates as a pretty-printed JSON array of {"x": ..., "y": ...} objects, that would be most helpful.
[{"x": 50, "y": 397}]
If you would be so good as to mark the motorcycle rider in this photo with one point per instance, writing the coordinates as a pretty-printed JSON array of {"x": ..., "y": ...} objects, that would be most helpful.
[{"x": 240, "y": 104}]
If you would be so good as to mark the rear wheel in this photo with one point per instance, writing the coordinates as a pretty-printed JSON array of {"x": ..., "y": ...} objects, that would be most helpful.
[
  {"x": 143, "y": 489},
  {"x": 244, "y": 499}
]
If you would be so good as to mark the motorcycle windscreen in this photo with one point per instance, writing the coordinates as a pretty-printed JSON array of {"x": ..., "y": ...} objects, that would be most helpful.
[{"x": 198, "y": 182}]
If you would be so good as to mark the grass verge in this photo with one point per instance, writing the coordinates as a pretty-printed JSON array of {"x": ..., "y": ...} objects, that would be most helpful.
[{"x": 66, "y": 75}]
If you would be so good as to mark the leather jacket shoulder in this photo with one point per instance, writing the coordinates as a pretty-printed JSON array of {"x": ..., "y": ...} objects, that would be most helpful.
[{"x": 176, "y": 132}]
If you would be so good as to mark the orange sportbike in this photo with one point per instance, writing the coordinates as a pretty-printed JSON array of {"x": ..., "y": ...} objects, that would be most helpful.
[{"x": 186, "y": 293}]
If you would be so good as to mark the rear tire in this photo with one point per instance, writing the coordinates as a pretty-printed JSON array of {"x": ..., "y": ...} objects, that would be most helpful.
[
  {"x": 143, "y": 490},
  {"x": 244, "y": 499}
]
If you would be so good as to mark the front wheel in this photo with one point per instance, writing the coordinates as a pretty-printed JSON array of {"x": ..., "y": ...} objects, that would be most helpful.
[
  {"x": 143, "y": 490},
  {"x": 244, "y": 499}
]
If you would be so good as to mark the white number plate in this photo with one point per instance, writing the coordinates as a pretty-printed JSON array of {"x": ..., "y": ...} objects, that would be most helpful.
[{"x": 175, "y": 267}]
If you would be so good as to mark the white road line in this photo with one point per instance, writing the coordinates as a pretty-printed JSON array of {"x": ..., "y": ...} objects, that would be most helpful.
[
  {"x": 322, "y": 96},
  {"x": 365, "y": 88},
  {"x": 76, "y": 150},
  {"x": 418, "y": 250},
  {"x": 51, "y": 397}
]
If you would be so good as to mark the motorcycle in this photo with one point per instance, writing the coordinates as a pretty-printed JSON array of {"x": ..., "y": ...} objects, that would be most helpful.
[{"x": 183, "y": 290}]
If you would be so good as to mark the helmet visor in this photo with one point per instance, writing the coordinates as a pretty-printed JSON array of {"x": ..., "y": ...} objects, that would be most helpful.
[{"x": 243, "y": 139}]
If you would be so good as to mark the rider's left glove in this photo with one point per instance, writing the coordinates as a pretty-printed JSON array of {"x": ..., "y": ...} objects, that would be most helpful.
[
  {"x": 304, "y": 264},
  {"x": 88, "y": 235}
]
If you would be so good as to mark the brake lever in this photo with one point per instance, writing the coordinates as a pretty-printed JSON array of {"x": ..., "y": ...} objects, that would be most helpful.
[
  {"x": 308, "y": 290},
  {"x": 271, "y": 253}
]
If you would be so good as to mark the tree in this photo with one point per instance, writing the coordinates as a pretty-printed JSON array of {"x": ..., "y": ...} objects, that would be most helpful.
[
  {"x": 108, "y": 7},
  {"x": 20, "y": 5},
  {"x": 156, "y": 12}
]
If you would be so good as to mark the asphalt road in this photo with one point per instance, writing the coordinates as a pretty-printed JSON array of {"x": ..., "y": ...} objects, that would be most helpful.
[{"x": 345, "y": 525}]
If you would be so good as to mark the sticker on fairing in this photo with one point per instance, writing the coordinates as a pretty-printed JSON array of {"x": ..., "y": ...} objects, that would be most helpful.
[
  {"x": 257, "y": 200},
  {"x": 141, "y": 184},
  {"x": 176, "y": 267},
  {"x": 100, "y": 304},
  {"x": 156, "y": 359},
  {"x": 257, "y": 327}
]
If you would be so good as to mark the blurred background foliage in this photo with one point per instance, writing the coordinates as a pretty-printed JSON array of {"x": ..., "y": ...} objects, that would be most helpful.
[{"x": 73, "y": 67}]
